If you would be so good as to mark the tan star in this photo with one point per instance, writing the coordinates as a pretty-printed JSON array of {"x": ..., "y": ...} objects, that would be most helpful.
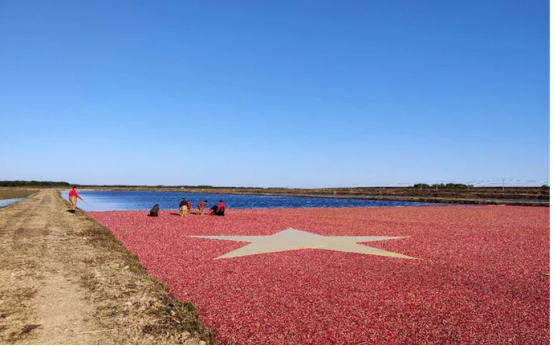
[{"x": 293, "y": 239}]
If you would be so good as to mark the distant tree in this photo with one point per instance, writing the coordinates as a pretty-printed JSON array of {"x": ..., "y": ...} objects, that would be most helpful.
[
  {"x": 422, "y": 186},
  {"x": 33, "y": 183},
  {"x": 456, "y": 186}
]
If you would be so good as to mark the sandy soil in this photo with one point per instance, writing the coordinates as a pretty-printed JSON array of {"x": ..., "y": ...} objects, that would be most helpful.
[{"x": 64, "y": 279}]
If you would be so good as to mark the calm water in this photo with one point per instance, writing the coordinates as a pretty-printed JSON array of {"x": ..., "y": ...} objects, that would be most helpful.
[
  {"x": 6, "y": 202},
  {"x": 144, "y": 200}
]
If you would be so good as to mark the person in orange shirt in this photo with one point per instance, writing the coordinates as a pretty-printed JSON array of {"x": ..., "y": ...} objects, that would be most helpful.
[
  {"x": 73, "y": 199},
  {"x": 201, "y": 207}
]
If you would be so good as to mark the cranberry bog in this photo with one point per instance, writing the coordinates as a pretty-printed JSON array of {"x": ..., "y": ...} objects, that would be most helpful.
[{"x": 435, "y": 275}]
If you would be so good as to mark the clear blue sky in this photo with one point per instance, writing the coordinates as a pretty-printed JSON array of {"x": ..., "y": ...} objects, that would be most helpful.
[{"x": 274, "y": 93}]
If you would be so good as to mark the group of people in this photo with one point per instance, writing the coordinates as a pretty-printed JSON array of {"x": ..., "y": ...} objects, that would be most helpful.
[{"x": 185, "y": 207}]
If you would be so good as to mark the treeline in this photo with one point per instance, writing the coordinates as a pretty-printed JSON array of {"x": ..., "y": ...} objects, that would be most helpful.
[
  {"x": 33, "y": 183},
  {"x": 444, "y": 186},
  {"x": 454, "y": 186}
]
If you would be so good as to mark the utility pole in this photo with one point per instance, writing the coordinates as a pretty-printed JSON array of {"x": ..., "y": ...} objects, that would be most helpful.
[{"x": 502, "y": 185}]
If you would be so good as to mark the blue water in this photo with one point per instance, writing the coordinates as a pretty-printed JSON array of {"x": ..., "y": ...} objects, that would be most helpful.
[
  {"x": 6, "y": 202},
  {"x": 144, "y": 200}
]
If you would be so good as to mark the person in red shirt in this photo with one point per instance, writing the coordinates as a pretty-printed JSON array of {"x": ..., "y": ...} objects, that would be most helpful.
[
  {"x": 219, "y": 210},
  {"x": 189, "y": 205},
  {"x": 73, "y": 199}
]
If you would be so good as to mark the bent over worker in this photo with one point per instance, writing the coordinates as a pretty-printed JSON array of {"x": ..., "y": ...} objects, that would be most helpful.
[
  {"x": 201, "y": 207},
  {"x": 73, "y": 199},
  {"x": 183, "y": 207},
  {"x": 219, "y": 209}
]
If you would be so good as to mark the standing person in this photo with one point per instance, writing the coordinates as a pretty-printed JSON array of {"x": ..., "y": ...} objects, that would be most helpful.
[
  {"x": 183, "y": 207},
  {"x": 201, "y": 206},
  {"x": 73, "y": 199}
]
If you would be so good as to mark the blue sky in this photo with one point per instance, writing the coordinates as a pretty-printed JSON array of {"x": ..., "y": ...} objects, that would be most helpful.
[{"x": 275, "y": 93}]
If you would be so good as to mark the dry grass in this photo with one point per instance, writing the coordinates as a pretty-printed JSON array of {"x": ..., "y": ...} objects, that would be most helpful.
[
  {"x": 15, "y": 192},
  {"x": 15, "y": 304}
]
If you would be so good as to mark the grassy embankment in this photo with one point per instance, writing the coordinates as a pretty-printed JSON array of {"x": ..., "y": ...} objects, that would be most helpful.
[{"x": 66, "y": 272}]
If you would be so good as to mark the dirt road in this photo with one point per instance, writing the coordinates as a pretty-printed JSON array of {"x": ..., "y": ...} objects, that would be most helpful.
[{"x": 64, "y": 279}]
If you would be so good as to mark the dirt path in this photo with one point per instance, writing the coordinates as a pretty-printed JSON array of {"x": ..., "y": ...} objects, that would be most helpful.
[{"x": 64, "y": 279}]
